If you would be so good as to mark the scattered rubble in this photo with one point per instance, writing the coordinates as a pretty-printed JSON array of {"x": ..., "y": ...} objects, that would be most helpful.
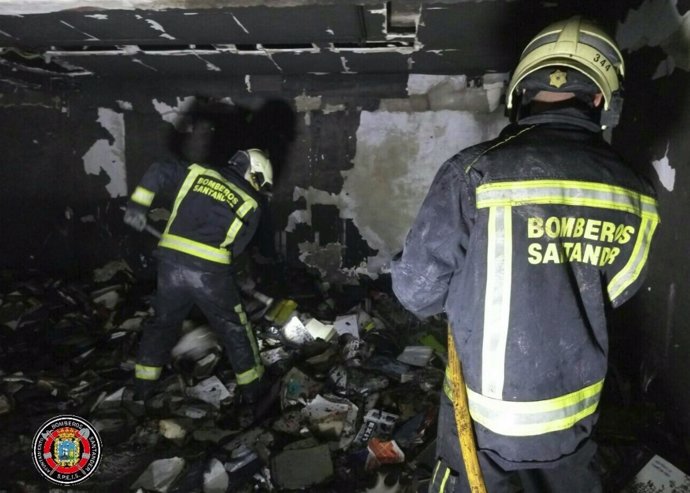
[
  {"x": 346, "y": 380},
  {"x": 356, "y": 382}
]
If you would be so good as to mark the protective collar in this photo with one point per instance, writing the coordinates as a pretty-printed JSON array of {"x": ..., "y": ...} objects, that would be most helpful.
[{"x": 569, "y": 115}]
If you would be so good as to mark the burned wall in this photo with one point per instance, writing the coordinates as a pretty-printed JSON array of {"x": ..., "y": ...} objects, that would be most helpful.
[
  {"x": 652, "y": 330},
  {"x": 355, "y": 156}
]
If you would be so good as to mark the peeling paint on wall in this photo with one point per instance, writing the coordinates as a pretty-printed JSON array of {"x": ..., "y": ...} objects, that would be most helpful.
[
  {"x": 346, "y": 69},
  {"x": 124, "y": 105},
  {"x": 136, "y": 60},
  {"x": 667, "y": 175},
  {"x": 397, "y": 155},
  {"x": 9, "y": 7},
  {"x": 299, "y": 216},
  {"x": 171, "y": 114},
  {"x": 237, "y": 21},
  {"x": 333, "y": 108},
  {"x": 158, "y": 27},
  {"x": 670, "y": 31},
  {"x": 248, "y": 82},
  {"x": 307, "y": 103},
  {"x": 89, "y": 37},
  {"x": 100, "y": 17},
  {"x": 270, "y": 57},
  {"x": 438, "y": 92},
  {"x": 422, "y": 83},
  {"x": 327, "y": 259},
  {"x": 209, "y": 65},
  {"x": 109, "y": 157}
]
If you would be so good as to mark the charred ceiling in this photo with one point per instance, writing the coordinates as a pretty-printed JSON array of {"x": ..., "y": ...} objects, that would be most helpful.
[{"x": 148, "y": 39}]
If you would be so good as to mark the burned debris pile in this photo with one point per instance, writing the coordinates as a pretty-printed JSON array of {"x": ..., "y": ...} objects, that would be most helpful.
[{"x": 354, "y": 383}]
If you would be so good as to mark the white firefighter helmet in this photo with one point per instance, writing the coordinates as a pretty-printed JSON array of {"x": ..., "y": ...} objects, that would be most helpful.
[
  {"x": 573, "y": 55},
  {"x": 259, "y": 172}
]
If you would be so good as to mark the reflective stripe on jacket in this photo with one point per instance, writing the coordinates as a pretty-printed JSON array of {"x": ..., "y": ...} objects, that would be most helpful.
[{"x": 213, "y": 216}]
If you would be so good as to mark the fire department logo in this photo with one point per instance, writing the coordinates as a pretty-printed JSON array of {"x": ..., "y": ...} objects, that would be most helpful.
[
  {"x": 66, "y": 450},
  {"x": 557, "y": 78}
]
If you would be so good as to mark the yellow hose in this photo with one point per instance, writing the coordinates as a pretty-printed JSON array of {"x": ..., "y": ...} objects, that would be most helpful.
[{"x": 463, "y": 420}]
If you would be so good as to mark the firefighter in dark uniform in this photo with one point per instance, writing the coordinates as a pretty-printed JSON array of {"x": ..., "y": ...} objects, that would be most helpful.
[
  {"x": 214, "y": 216},
  {"x": 526, "y": 242}
]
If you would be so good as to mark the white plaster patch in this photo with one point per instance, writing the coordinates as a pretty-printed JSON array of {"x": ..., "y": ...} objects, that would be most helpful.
[
  {"x": 315, "y": 196},
  {"x": 494, "y": 85},
  {"x": 100, "y": 17},
  {"x": 307, "y": 103},
  {"x": 670, "y": 30},
  {"x": 667, "y": 175},
  {"x": 130, "y": 49},
  {"x": 171, "y": 114},
  {"x": 18, "y": 7},
  {"x": 248, "y": 82},
  {"x": 300, "y": 216},
  {"x": 327, "y": 259},
  {"x": 104, "y": 156},
  {"x": 158, "y": 27},
  {"x": 398, "y": 155},
  {"x": 346, "y": 69},
  {"x": 125, "y": 105},
  {"x": 422, "y": 83},
  {"x": 331, "y": 32},
  {"x": 452, "y": 92},
  {"x": 333, "y": 108}
]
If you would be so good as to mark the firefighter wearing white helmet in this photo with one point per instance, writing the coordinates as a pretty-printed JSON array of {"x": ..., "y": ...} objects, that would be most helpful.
[
  {"x": 570, "y": 57},
  {"x": 259, "y": 173},
  {"x": 526, "y": 242},
  {"x": 213, "y": 217}
]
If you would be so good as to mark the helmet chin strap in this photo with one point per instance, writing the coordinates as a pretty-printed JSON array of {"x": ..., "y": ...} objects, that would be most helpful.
[{"x": 249, "y": 176}]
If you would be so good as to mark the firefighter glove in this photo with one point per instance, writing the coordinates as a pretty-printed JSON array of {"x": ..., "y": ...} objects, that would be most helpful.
[{"x": 135, "y": 218}]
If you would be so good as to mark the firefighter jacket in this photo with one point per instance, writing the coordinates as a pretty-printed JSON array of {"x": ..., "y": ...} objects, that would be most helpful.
[
  {"x": 214, "y": 215},
  {"x": 525, "y": 242}
]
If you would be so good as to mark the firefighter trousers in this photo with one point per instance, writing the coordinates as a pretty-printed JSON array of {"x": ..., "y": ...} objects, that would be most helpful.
[
  {"x": 572, "y": 474},
  {"x": 215, "y": 293}
]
